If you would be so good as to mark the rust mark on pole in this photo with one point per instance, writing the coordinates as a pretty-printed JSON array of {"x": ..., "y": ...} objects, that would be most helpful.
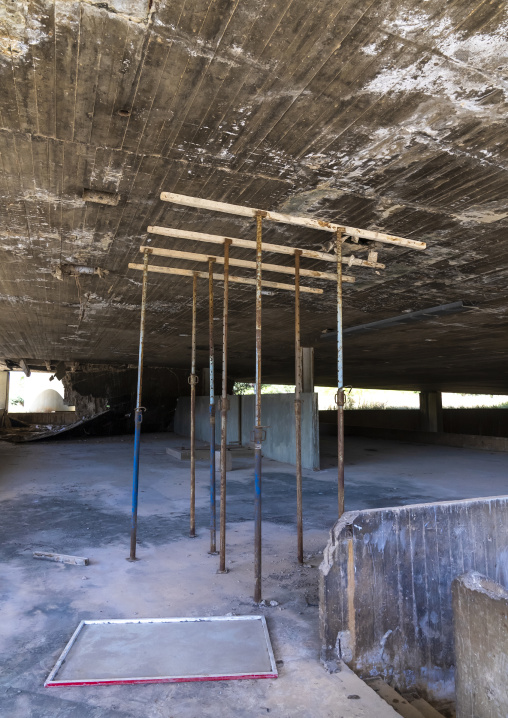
[
  {"x": 224, "y": 413},
  {"x": 193, "y": 380},
  {"x": 298, "y": 412},
  {"x": 138, "y": 414},
  {"x": 340, "y": 379},
  {"x": 258, "y": 429},
  {"x": 213, "y": 513}
]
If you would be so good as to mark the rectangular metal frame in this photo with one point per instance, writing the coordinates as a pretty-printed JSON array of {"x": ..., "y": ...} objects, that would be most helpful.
[{"x": 52, "y": 680}]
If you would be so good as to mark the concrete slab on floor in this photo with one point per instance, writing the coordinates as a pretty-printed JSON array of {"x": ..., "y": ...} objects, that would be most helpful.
[{"x": 172, "y": 649}]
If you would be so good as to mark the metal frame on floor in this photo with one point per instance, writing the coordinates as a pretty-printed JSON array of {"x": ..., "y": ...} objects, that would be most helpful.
[{"x": 52, "y": 679}]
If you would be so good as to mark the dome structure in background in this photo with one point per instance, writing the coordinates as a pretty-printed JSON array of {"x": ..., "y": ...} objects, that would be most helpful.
[{"x": 47, "y": 401}]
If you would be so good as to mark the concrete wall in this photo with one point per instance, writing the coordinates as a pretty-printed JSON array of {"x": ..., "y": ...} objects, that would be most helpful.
[
  {"x": 482, "y": 422},
  {"x": 277, "y": 413},
  {"x": 385, "y": 586},
  {"x": 182, "y": 418},
  {"x": 480, "y": 616}
]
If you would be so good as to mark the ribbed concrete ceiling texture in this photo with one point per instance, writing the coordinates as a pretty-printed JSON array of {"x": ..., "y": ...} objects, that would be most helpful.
[{"x": 378, "y": 114}]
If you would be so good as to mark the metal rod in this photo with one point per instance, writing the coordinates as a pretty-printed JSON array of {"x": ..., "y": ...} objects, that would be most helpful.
[
  {"x": 298, "y": 413},
  {"x": 283, "y": 269},
  {"x": 220, "y": 278},
  {"x": 193, "y": 379},
  {"x": 224, "y": 413},
  {"x": 138, "y": 414},
  {"x": 288, "y": 219},
  {"x": 213, "y": 513},
  {"x": 258, "y": 430},
  {"x": 340, "y": 379}
]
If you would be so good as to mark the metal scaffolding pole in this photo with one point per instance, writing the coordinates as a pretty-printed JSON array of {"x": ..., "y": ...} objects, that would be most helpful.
[
  {"x": 224, "y": 413},
  {"x": 258, "y": 429},
  {"x": 213, "y": 516},
  {"x": 193, "y": 380},
  {"x": 138, "y": 414},
  {"x": 340, "y": 379},
  {"x": 298, "y": 412}
]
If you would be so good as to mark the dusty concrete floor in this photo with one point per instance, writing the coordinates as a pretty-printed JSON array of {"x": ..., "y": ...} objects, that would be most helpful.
[{"x": 74, "y": 497}]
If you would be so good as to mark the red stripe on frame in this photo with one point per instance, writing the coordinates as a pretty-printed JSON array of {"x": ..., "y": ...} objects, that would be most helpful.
[{"x": 120, "y": 682}]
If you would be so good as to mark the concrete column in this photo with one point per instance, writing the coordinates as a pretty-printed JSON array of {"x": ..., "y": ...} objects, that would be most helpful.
[
  {"x": 480, "y": 617},
  {"x": 308, "y": 370},
  {"x": 4, "y": 390},
  {"x": 431, "y": 408}
]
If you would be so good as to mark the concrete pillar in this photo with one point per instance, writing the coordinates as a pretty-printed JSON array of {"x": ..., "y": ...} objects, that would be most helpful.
[
  {"x": 480, "y": 618},
  {"x": 4, "y": 390},
  {"x": 431, "y": 409},
  {"x": 308, "y": 370}
]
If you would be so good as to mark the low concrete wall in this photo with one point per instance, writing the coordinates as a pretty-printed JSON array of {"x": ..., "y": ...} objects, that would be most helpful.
[
  {"x": 461, "y": 441},
  {"x": 277, "y": 413},
  {"x": 53, "y": 417},
  {"x": 481, "y": 422},
  {"x": 480, "y": 616},
  {"x": 385, "y": 587}
]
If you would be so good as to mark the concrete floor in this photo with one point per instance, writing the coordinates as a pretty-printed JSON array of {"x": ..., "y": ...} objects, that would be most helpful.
[{"x": 74, "y": 497}]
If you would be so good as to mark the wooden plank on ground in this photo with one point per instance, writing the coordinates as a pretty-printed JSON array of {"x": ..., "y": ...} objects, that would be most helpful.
[
  {"x": 394, "y": 699},
  {"x": 62, "y": 558}
]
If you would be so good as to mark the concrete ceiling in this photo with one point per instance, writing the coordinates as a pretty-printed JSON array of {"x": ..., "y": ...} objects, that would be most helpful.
[{"x": 378, "y": 114}]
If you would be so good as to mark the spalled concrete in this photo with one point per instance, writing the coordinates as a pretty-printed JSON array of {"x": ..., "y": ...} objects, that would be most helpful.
[{"x": 480, "y": 618}]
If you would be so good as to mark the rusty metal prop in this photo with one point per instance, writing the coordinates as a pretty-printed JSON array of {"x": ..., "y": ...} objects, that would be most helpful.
[
  {"x": 213, "y": 513},
  {"x": 193, "y": 380},
  {"x": 258, "y": 429},
  {"x": 138, "y": 414},
  {"x": 340, "y": 379},
  {"x": 224, "y": 414},
  {"x": 298, "y": 413}
]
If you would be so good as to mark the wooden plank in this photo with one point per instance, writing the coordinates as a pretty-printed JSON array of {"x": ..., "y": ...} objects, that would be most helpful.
[
  {"x": 249, "y": 244},
  {"x": 62, "y": 558},
  {"x": 289, "y": 219},
  {"x": 220, "y": 278},
  {"x": 394, "y": 699},
  {"x": 195, "y": 256},
  {"x": 425, "y": 708}
]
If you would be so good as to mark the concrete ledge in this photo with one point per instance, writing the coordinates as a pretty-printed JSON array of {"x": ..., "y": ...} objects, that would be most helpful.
[
  {"x": 480, "y": 617},
  {"x": 461, "y": 441}
]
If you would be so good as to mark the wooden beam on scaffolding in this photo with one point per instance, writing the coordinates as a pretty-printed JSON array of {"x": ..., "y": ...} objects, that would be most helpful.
[
  {"x": 248, "y": 244},
  {"x": 279, "y": 268},
  {"x": 220, "y": 278},
  {"x": 290, "y": 219}
]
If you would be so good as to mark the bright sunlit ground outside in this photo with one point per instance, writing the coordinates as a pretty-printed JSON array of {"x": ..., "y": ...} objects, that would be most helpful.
[
  {"x": 25, "y": 393},
  {"x": 382, "y": 398}
]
